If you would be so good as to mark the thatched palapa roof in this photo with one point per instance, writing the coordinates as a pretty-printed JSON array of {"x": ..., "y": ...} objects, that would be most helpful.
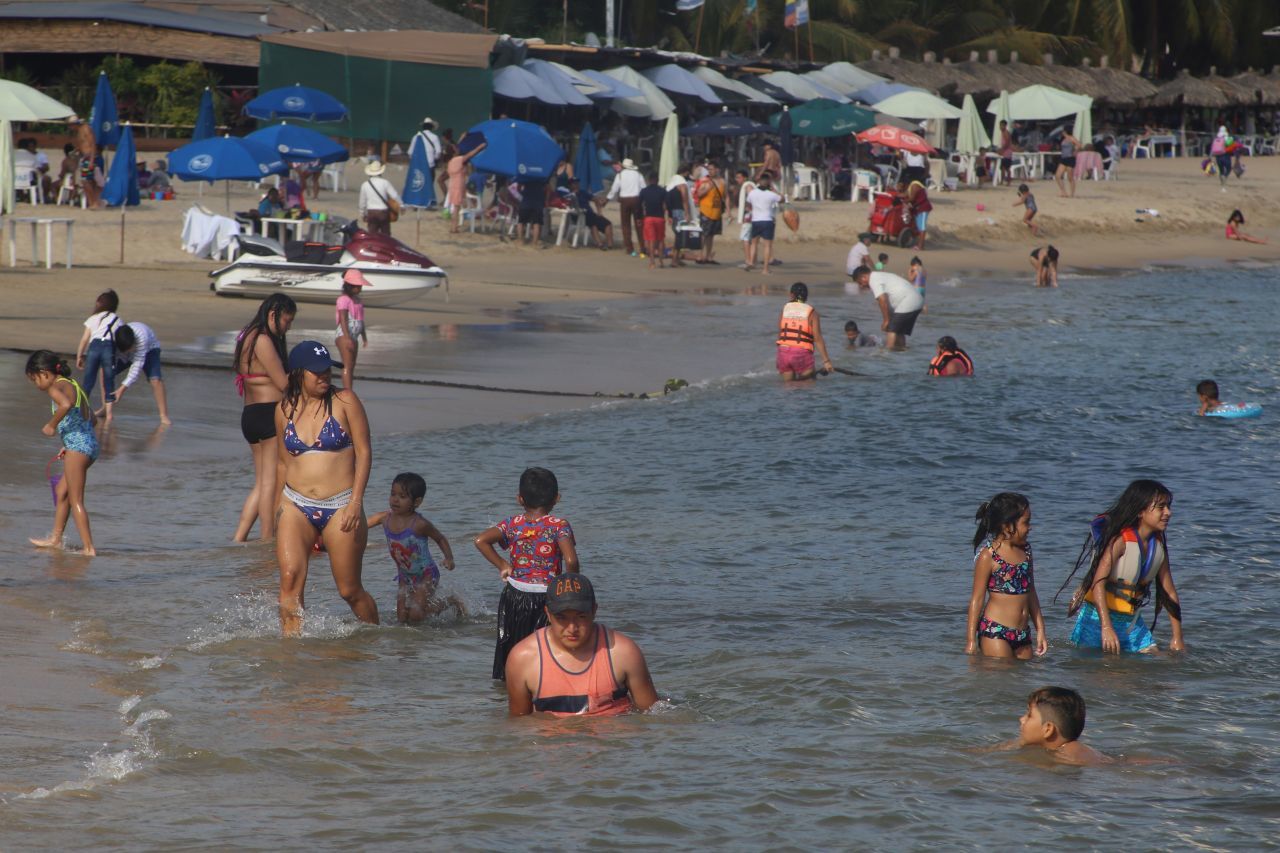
[
  {"x": 1185, "y": 90},
  {"x": 1121, "y": 88}
]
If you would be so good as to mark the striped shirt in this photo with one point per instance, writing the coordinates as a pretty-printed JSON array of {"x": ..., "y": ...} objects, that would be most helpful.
[{"x": 144, "y": 341}]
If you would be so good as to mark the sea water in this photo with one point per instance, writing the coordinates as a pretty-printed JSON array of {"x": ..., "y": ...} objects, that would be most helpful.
[{"x": 795, "y": 562}]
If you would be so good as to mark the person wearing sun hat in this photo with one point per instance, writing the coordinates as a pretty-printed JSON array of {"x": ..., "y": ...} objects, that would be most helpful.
[
  {"x": 378, "y": 199},
  {"x": 627, "y": 183},
  {"x": 349, "y": 312},
  {"x": 323, "y": 440},
  {"x": 576, "y": 666}
]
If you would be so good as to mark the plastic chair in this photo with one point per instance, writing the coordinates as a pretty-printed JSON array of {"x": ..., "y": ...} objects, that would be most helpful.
[
  {"x": 473, "y": 210},
  {"x": 27, "y": 182},
  {"x": 1140, "y": 146},
  {"x": 868, "y": 182},
  {"x": 806, "y": 183},
  {"x": 336, "y": 175},
  {"x": 1269, "y": 145},
  {"x": 68, "y": 192}
]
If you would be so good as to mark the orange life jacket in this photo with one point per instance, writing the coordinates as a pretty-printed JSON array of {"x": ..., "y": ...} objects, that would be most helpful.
[
  {"x": 796, "y": 327},
  {"x": 941, "y": 361}
]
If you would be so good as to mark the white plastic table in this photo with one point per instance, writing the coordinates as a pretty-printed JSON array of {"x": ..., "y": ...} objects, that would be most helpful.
[
  {"x": 1166, "y": 141},
  {"x": 295, "y": 224},
  {"x": 34, "y": 222}
]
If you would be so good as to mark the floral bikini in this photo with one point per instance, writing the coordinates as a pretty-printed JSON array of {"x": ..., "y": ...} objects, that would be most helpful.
[{"x": 1008, "y": 579}]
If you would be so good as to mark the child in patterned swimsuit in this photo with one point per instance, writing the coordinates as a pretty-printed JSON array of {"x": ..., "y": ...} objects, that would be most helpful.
[
  {"x": 541, "y": 546},
  {"x": 999, "y": 627},
  {"x": 408, "y": 534},
  {"x": 72, "y": 421}
]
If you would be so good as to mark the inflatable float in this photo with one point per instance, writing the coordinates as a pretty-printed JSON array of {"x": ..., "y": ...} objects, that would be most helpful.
[{"x": 1236, "y": 410}]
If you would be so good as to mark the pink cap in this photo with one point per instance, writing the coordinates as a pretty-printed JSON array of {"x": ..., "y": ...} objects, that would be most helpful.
[{"x": 355, "y": 277}]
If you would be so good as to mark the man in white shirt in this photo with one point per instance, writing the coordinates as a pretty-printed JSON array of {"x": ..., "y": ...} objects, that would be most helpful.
[
  {"x": 377, "y": 199},
  {"x": 627, "y": 184},
  {"x": 763, "y": 202},
  {"x": 899, "y": 300},
  {"x": 859, "y": 255},
  {"x": 431, "y": 144}
]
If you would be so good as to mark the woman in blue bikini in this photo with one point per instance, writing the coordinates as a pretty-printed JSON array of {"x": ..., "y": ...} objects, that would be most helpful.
[
  {"x": 324, "y": 484},
  {"x": 1001, "y": 627}
]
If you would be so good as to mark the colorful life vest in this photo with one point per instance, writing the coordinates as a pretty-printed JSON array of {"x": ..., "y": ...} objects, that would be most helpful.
[
  {"x": 796, "y": 327},
  {"x": 941, "y": 361},
  {"x": 1129, "y": 585}
]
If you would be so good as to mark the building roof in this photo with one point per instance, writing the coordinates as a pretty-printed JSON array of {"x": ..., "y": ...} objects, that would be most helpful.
[
  {"x": 457, "y": 49},
  {"x": 200, "y": 19},
  {"x": 384, "y": 15}
]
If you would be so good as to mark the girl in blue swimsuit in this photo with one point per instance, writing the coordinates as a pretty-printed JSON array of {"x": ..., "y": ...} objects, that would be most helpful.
[
  {"x": 72, "y": 421},
  {"x": 1004, "y": 600},
  {"x": 324, "y": 483}
]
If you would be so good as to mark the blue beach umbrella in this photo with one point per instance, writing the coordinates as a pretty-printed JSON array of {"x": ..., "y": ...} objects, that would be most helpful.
[
  {"x": 419, "y": 189},
  {"x": 297, "y": 144},
  {"x": 877, "y": 92},
  {"x": 586, "y": 165},
  {"x": 300, "y": 102},
  {"x": 103, "y": 120},
  {"x": 225, "y": 158},
  {"x": 725, "y": 124},
  {"x": 517, "y": 149},
  {"x": 122, "y": 179},
  {"x": 206, "y": 124}
]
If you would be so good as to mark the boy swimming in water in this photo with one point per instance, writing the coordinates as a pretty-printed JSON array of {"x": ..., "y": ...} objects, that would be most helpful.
[
  {"x": 1207, "y": 391},
  {"x": 1054, "y": 721}
]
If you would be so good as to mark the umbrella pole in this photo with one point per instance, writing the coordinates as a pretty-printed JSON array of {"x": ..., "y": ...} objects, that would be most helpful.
[
  {"x": 697, "y": 37},
  {"x": 227, "y": 185},
  {"x": 122, "y": 207},
  {"x": 417, "y": 239}
]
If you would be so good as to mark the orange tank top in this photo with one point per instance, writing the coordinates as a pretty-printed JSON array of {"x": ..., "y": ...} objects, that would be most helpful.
[
  {"x": 796, "y": 327},
  {"x": 590, "y": 692}
]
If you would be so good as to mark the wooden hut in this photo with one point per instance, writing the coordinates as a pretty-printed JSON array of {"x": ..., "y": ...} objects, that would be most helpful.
[{"x": 1186, "y": 91}]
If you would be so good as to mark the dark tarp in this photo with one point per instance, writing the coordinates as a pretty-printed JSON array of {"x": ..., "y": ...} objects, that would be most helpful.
[{"x": 388, "y": 80}]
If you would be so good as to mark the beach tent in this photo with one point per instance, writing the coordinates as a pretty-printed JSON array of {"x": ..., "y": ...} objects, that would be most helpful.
[
  {"x": 825, "y": 118},
  {"x": 121, "y": 189},
  {"x": 971, "y": 138},
  {"x": 19, "y": 102},
  {"x": 853, "y": 77},
  {"x": 103, "y": 119},
  {"x": 555, "y": 80},
  {"x": 802, "y": 88},
  {"x": 389, "y": 80},
  {"x": 1082, "y": 129},
  {"x": 731, "y": 90},
  {"x": 516, "y": 149},
  {"x": 651, "y": 103},
  {"x": 917, "y": 105},
  {"x": 586, "y": 162},
  {"x": 677, "y": 81},
  {"x": 1042, "y": 103}
]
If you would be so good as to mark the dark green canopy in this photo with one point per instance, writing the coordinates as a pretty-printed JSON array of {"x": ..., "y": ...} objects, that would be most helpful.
[{"x": 823, "y": 117}]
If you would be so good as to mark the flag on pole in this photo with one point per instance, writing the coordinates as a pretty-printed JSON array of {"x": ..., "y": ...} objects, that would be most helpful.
[
  {"x": 688, "y": 5},
  {"x": 797, "y": 14}
]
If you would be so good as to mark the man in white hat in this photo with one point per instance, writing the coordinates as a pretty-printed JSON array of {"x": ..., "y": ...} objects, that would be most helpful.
[
  {"x": 627, "y": 184},
  {"x": 431, "y": 144},
  {"x": 378, "y": 199}
]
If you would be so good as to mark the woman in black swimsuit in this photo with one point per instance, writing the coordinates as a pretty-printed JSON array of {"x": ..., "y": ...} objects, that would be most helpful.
[{"x": 261, "y": 380}]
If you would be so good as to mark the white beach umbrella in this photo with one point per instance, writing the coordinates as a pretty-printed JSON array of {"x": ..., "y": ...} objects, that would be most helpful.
[
  {"x": 1042, "y": 103},
  {"x": 716, "y": 80},
  {"x": 6, "y": 166},
  {"x": 853, "y": 77},
  {"x": 19, "y": 102},
  {"x": 669, "y": 153},
  {"x": 971, "y": 137},
  {"x": 1000, "y": 108},
  {"x": 802, "y": 87},
  {"x": 652, "y": 103},
  {"x": 918, "y": 105},
  {"x": 1083, "y": 128}
]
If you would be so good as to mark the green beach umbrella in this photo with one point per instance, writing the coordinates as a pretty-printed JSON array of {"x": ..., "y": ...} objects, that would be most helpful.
[
  {"x": 971, "y": 137},
  {"x": 669, "y": 154},
  {"x": 1000, "y": 107},
  {"x": 826, "y": 118},
  {"x": 20, "y": 102}
]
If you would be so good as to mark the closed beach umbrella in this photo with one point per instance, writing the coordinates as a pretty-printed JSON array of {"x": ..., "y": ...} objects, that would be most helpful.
[
  {"x": 300, "y": 102},
  {"x": 103, "y": 120},
  {"x": 297, "y": 144},
  {"x": 586, "y": 163},
  {"x": 669, "y": 154},
  {"x": 1000, "y": 108},
  {"x": 20, "y": 102},
  {"x": 1083, "y": 127},
  {"x": 895, "y": 137},
  {"x": 122, "y": 179},
  {"x": 826, "y": 118},
  {"x": 516, "y": 149},
  {"x": 651, "y": 102},
  {"x": 917, "y": 105},
  {"x": 677, "y": 81},
  {"x": 6, "y": 166},
  {"x": 419, "y": 190},
  {"x": 206, "y": 124},
  {"x": 971, "y": 137}
]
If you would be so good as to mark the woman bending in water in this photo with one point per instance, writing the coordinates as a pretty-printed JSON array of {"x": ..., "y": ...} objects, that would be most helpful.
[
  {"x": 323, "y": 438},
  {"x": 1003, "y": 577}
]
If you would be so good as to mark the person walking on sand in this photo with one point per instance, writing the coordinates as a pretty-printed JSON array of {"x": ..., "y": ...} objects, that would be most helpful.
[
  {"x": 627, "y": 184},
  {"x": 710, "y": 195},
  {"x": 1067, "y": 164},
  {"x": 350, "y": 319},
  {"x": 744, "y": 186},
  {"x": 764, "y": 205},
  {"x": 323, "y": 438},
  {"x": 1028, "y": 201},
  {"x": 1006, "y": 152},
  {"x": 431, "y": 147},
  {"x": 378, "y": 200},
  {"x": 653, "y": 199},
  {"x": 918, "y": 200},
  {"x": 799, "y": 334}
]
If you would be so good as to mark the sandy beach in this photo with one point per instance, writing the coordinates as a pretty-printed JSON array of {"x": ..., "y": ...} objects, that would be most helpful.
[{"x": 1096, "y": 229}]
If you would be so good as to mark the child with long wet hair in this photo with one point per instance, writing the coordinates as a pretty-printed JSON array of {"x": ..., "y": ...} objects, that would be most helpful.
[
  {"x": 97, "y": 350},
  {"x": 1126, "y": 554},
  {"x": 1004, "y": 602},
  {"x": 72, "y": 420}
]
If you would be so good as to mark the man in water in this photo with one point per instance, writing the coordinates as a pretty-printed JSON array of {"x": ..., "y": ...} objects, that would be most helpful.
[
  {"x": 574, "y": 666},
  {"x": 899, "y": 300}
]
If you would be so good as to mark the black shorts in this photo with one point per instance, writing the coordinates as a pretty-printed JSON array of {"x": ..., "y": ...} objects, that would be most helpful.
[
  {"x": 1069, "y": 162},
  {"x": 596, "y": 221},
  {"x": 1006, "y": 163},
  {"x": 903, "y": 324},
  {"x": 258, "y": 422},
  {"x": 520, "y": 613},
  {"x": 710, "y": 227},
  {"x": 764, "y": 230},
  {"x": 531, "y": 216}
]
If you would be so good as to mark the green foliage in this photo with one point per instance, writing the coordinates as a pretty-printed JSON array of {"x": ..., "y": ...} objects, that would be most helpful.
[{"x": 173, "y": 92}]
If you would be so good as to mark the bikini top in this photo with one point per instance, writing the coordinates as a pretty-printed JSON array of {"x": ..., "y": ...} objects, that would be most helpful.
[
  {"x": 1006, "y": 577},
  {"x": 331, "y": 439}
]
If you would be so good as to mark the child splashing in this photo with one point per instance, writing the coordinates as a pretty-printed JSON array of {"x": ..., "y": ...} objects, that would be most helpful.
[
  {"x": 73, "y": 421},
  {"x": 1126, "y": 553},
  {"x": 1003, "y": 576},
  {"x": 407, "y": 540},
  {"x": 350, "y": 316}
]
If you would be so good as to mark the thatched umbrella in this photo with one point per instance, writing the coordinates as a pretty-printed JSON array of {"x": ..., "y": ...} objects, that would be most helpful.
[
  {"x": 989, "y": 79},
  {"x": 1119, "y": 88},
  {"x": 1263, "y": 90},
  {"x": 1070, "y": 79},
  {"x": 1236, "y": 95},
  {"x": 1186, "y": 91},
  {"x": 923, "y": 75}
]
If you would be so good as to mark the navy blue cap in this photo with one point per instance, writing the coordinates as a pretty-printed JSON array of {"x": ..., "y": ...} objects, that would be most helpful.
[{"x": 312, "y": 356}]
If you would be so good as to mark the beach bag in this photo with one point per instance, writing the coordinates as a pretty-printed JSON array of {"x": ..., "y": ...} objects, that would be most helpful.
[
  {"x": 791, "y": 217},
  {"x": 393, "y": 206},
  {"x": 689, "y": 236}
]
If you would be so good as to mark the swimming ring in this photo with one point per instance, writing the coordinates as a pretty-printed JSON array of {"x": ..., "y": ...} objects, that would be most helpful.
[{"x": 1236, "y": 410}]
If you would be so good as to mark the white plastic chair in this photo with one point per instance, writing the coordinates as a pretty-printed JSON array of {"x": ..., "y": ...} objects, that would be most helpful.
[
  {"x": 27, "y": 182},
  {"x": 336, "y": 174},
  {"x": 806, "y": 183},
  {"x": 68, "y": 192},
  {"x": 1142, "y": 146},
  {"x": 473, "y": 211},
  {"x": 868, "y": 182},
  {"x": 1269, "y": 145}
]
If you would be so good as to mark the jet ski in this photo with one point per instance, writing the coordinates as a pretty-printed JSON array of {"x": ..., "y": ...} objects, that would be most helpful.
[{"x": 312, "y": 271}]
